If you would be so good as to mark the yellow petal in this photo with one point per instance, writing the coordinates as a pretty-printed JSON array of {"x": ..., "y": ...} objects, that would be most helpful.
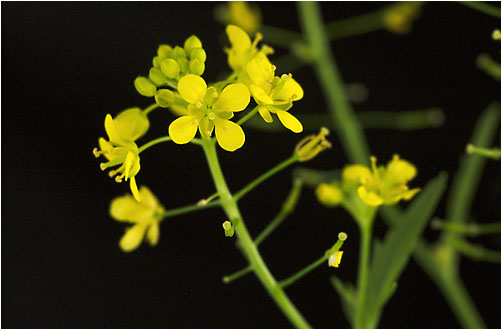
[
  {"x": 134, "y": 189},
  {"x": 355, "y": 174},
  {"x": 113, "y": 135},
  {"x": 148, "y": 198},
  {"x": 369, "y": 197},
  {"x": 234, "y": 97},
  {"x": 410, "y": 194},
  {"x": 399, "y": 170},
  {"x": 289, "y": 121},
  {"x": 230, "y": 136},
  {"x": 239, "y": 39},
  {"x": 265, "y": 114},
  {"x": 192, "y": 88},
  {"x": 261, "y": 71},
  {"x": 131, "y": 124},
  {"x": 290, "y": 91},
  {"x": 329, "y": 195},
  {"x": 260, "y": 96},
  {"x": 335, "y": 259},
  {"x": 153, "y": 234},
  {"x": 132, "y": 238},
  {"x": 183, "y": 129},
  {"x": 126, "y": 208}
]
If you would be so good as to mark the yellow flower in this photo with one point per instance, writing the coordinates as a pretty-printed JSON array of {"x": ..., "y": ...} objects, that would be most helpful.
[
  {"x": 242, "y": 50},
  {"x": 245, "y": 16},
  {"x": 381, "y": 185},
  {"x": 209, "y": 110},
  {"x": 120, "y": 149},
  {"x": 335, "y": 259},
  {"x": 273, "y": 94},
  {"x": 329, "y": 195},
  {"x": 145, "y": 217}
]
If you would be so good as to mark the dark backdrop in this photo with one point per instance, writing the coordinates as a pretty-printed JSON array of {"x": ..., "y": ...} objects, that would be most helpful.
[{"x": 65, "y": 65}]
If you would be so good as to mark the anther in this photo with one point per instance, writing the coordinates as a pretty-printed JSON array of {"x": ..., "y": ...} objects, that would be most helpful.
[
  {"x": 198, "y": 105},
  {"x": 102, "y": 166},
  {"x": 96, "y": 152},
  {"x": 118, "y": 179}
]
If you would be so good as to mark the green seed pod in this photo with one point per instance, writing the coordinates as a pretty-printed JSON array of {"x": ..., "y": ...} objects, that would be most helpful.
[
  {"x": 199, "y": 54},
  {"x": 170, "y": 68},
  {"x": 183, "y": 63},
  {"x": 157, "y": 76},
  {"x": 196, "y": 67},
  {"x": 191, "y": 43},
  {"x": 156, "y": 61},
  {"x": 165, "y": 51},
  {"x": 178, "y": 52},
  {"x": 164, "y": 98},
  {"x": 144, "y": 86}
]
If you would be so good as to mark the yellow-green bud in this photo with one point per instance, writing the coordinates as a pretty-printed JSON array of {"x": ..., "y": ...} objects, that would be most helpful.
[
  {"x": 198, "y": 53},
  {"x": 191, "y": 43},
  {"x": 165, "y": 98},
  {"x": 229, "y": 230},
  {"x": 156, "y": 61},
  {"x": 157, "y": 76},
  {"x": 329, "y": 195},
  {"x": 196, "y": 67},
  {"x": 178, "y": 52},
  {"x": 183, "y": 63},
  {"x": 164, "y": 51},
  {"x": 496, "y": 35},
  {"x": 170, "y": 68},
  {"x": 144, "y": 86}
]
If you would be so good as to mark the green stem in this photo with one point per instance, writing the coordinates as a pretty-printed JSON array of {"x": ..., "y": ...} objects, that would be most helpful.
[
  {"x": 241, "y": 193},
  {"x": 475, "y": 251},
  {"x": 187, "y": 209},
  {"x": 248, "y": 115},
  {"x": 153, "y": 142},
  {"x": 470, "y": 229},
  {"x": 295, "y": 277},
  {"x": 287, "y": 208},
  {"x": 345, "y": 121},
  {"x": 355, "y": 25},
  {"x": 278, "y": 36},
  {"x": 248, "y": 248},
  {"x": 491, "y": 67},
  {"x": 238, "y": 274},
  {"x": 150, "y": 109},
  {"x": 482, "y": 7},
  {"x": 493, "y": 153},
  {"x": 362, "y": 279}
]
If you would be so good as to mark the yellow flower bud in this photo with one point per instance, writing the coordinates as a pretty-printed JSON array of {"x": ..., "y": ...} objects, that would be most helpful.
[
  {"x": 157, "y": 76},
  {"x": 312, "y": 145},
  {"x": 156, "y": 61},
  {"x": 170, "y": 68},
  {"x": 191, "y": 43},
  {"x": 183, "y": 63},
  {"x": 198, "y": 53},
  {"x": 178, "y": 52},
  {"x": 165, "y": 98},
  {"x": 196, "y": 67},
  {"x": 329, "y": 195},
  {"x": 144, "y": 86},
  {"x": 496, "y": 35},
  {"x": 164, "y": 51}
]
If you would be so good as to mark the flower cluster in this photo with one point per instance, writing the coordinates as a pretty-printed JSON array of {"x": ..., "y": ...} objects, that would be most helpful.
[{"x": 380, "y": 185}]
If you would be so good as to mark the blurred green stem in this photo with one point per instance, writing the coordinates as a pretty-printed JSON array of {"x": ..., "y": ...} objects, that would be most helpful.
[
  {"x": 482, "y": 7},
  {"x": 365, "y": 229},
  {"x": 470, "y": 229},
  {"x": 345, "y": 121}
]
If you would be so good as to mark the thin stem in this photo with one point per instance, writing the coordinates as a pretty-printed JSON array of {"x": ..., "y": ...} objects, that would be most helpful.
[
  {"x": 188, "y": 209},
  {"x": 295, "y": 277},
  {"x": 241, "y": 193},
  {"x": 493, "y": 153},
  {"x": 482, "y": 7},
  {"x": 345, "y": 121},
  {"x": 278, "y": 36},
  {"x": 362, "y": 279},
  {"x": 491, "y": 67},
  {"x": 470, "y": 229},
  {"x": 287, "y": 207},
  {"x": 153, "y": 142},
  {"x": 248, "y": 248},
  {"x": 475, "y": 251},
  {"x": 150, "y": 108},
  {"x": 248, "y": 115},
  {"x": 238, "y": 274},
  {"x": 355, "y": 25}
]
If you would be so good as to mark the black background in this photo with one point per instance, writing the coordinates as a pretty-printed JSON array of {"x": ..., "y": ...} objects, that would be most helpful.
[{"x": 65, "y": 65}]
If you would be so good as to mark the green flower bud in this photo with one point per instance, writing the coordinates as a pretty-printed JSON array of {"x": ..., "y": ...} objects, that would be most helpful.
[
  {"x": 157, "y": 76},
  {"x": 183, "y": 62},
  {"x": 199, "y": 54},
  {"x": 191, "y": 43},
  {"x": 156, "y": 61},
  {"x": 196, "y": 67},
  {"x": 164, "y": 51},
  {"x": 178, "y": 52},
  {"x": 170, "y": 68},
  {"x": 164, "y": 98},
  {"x": 144, "y": 86}
]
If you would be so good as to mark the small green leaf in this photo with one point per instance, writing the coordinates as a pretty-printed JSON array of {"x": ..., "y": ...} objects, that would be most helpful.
[{"x": 348, "y": 297}]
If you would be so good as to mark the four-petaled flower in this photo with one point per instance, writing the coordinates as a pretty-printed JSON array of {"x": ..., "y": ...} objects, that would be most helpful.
[
  {"x": 121, "y": 149},
  {"x": 209, "y": 110},
  {"x": 145, "y": 217},
  {"x": 271, "y": 93},
  {"x": 381, "y": 185},
  {"x": 243, "y": 50}
]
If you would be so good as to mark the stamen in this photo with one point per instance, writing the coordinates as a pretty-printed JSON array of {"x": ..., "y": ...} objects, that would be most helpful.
[
  {"x": 269, "y": 81},
  {"x": 198, "y": 105},
  {"x": 96, "y": 152},
  {"x": 112, "y": 173},
  {"x": 118, "y": 179},
  {"x": 103, "y": 166},
  {"x": 214, "y": 95}
]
